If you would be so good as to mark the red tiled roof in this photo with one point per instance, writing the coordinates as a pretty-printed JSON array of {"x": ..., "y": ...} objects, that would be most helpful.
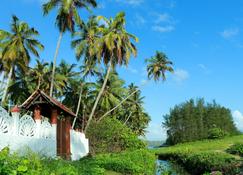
[{"x": 49, "y": 99}]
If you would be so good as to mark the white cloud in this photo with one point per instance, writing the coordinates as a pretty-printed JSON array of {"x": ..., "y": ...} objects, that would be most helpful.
[
  {"x": 238, "y": 119},
  {"x": 172, "y": 5},
  {"x": 229, "y": 33},
  {"x": 164, "y": 17},
  {"x": 101, "y": 5},
  {"x": 132, "y": 70},
  {"x": 204, "y": 68},
  {"x": 163, "y": 29},
  {"x": 139, "y": 20},
  {"x": 180, "y": 75},
  {"x": 155, "y": 132},
  {"x": 163, "y": 23},
  {"x": 131, "y": 2}
]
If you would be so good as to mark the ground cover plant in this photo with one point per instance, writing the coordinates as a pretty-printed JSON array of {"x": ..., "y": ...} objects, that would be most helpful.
[
  {"x": 135, "y": 162},
  {"x": 205, "y": 156}
]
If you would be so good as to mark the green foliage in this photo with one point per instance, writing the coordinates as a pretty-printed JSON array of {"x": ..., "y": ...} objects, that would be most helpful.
[
  {"x": 110, "y": 135},
  {"x": 216, "y": 133},
  {"x": 136, "y": 162},
  {"x": 236, "y": 149},
  {"x": 204, "y": 156},
  {"x": 12, "y": 164},
  {"x": 195, "y": 120}
]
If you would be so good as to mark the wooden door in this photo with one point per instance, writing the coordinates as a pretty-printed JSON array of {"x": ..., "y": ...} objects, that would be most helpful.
[{"x": 63, "y": 138}]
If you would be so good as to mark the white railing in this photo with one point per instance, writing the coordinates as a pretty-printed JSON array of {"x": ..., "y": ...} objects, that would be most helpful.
[
  {"x": 40, "y": 136},
  {"x": 20, "y": 132}
]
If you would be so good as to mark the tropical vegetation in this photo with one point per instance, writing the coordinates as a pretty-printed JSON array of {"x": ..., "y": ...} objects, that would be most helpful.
[
  {"x": 207, "y": 156},
  {"x": 197, "y": 120}
]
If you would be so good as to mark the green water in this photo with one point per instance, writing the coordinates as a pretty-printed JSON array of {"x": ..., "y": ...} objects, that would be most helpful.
[{"x": 168, "y": 168}]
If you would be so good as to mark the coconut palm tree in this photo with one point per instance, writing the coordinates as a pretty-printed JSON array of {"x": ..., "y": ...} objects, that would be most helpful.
[
  {"x": 114, "y": 91},
  {"x": 113, "y": 47},
  {"x": 38, "y": 73},
  {"x": 17, "y": 44},
  {"x": 158, "y": 65},
  {"x": 66, "y": 18},
  {"x": 67, "y": 70}
]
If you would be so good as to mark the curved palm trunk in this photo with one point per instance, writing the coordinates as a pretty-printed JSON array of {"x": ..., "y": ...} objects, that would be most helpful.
[
  {"x": 7, "y": 85},
  {"x": 118, "y": 105},
  {"x": 78, "y": 107},
  {"x": 98, "y": 98},
  {"x": 39, "y": 83},
  {"x": 2, "y": 82},
  {"x": 127, "y": 119},
  {"x": 54, "y": 62}
]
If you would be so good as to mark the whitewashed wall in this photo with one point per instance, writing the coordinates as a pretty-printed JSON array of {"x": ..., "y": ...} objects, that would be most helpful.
[
  {"x": 20, "y": 133},
  {"x": 79, "y": 145}
]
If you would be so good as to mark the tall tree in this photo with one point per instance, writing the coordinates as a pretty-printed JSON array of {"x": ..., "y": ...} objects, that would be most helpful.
[
  {"x": 158, "y": 65},
  {"x": 17, "y": 46},
  {"x": 113, "y": 47},
  {"x": 156, "y": 68},
  {"x": 67, "y": 16},
  {"x": 83, "y": 45}
]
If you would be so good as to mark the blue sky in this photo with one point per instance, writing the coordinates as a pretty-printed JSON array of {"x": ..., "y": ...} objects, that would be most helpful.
[{"x": 203, "y": 38}]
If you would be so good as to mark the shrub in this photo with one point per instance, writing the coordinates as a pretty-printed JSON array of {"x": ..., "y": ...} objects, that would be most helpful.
[
  {"x": 236, "y": 149},
  {"x": 135, "y": 162},
  {"x": 216, "y": 133},
  {"x": 111, "y": 136},
  {"x": 201, "y": 162}
]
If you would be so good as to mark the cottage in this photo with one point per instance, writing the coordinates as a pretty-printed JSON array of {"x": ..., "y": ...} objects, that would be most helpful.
[{"x": 45, "y": 128}]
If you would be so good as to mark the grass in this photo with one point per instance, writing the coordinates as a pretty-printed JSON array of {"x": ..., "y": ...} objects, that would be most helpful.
[
  {"x": 219, "y": 145},
  {"x": 205, "y": 156}
]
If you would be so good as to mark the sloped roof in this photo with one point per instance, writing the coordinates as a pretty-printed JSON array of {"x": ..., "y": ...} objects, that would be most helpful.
[{"x": 37, "y": 94}]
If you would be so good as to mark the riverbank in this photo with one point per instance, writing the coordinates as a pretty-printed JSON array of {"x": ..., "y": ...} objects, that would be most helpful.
[{"x": 205, "y": 156}]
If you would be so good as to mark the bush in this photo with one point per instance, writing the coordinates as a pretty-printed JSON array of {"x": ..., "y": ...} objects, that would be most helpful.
[
  {"x": 111, "y": 136},
  {"x": 236, "y": 149},
  {"x": 135, "y": 162},
  {"x": 201, "y": 162},
  {"x": 216, "y": 133}
]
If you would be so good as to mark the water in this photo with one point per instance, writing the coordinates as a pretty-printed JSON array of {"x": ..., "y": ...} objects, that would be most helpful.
[{"x": 167, "y": 168}]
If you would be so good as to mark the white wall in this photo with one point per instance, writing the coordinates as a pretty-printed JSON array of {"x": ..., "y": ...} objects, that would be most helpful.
[
  {"x": 18, "y": 144},
  {"x": 79, "y": 145}
]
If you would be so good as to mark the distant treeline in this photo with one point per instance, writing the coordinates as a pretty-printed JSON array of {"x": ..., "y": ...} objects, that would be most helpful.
[{"x": 196, "y": 120}]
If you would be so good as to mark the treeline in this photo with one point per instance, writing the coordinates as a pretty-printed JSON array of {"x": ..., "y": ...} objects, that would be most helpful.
[{"x": 196, "y": 120}]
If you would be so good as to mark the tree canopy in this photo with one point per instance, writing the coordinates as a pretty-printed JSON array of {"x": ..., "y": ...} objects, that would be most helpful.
[{"x": 195, "y": 119}]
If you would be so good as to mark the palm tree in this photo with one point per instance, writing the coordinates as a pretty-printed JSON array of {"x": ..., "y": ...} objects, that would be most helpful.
[
  {"x": 17, "y": 45},
  {"x": 67, "y": 71},
  {"x": 157, "y": 66},
  {"x": 113, "y": 47},
  {"x": 66, "y": 18},
  {"x": 113, "y": 92},
  {"x": 38, "y": 73}
]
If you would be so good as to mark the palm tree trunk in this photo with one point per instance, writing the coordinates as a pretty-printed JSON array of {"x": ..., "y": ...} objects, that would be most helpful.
[
  {"x": 78, "y": 107},
  {"x": 7, "y": 85},
  {"x": 84, "y": 107},
  {"x": 127, "y": 119},
  {"x": 2, "y": 81},
  {"x": 98, "y": 98},
  {"x": 121, "y": 102},
  {"x": 54, "y": 62},
  {"x": 39, "y": 82},
  {"x": 118, "y": 105}
]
